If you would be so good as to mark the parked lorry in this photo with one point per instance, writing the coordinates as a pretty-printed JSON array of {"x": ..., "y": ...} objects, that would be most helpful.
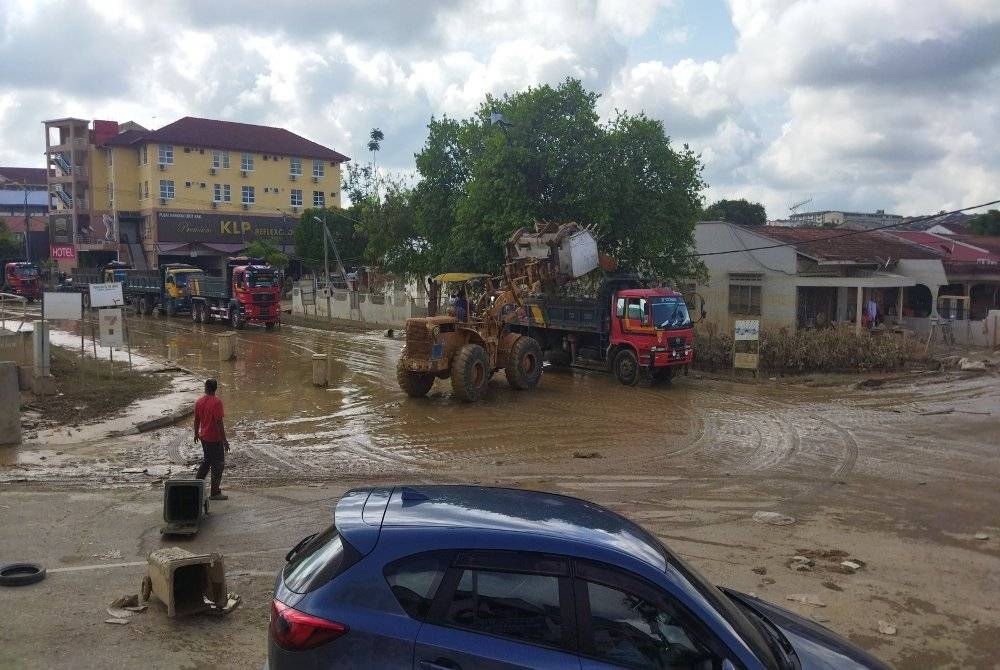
[
  {"x": 22, "y": 279},
  {"x": 166, "y": 289},
  {"x": 250, "y": 293}
]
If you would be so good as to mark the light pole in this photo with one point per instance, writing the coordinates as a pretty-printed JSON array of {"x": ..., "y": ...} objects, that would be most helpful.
[
  {"x": 326, "y": 256},
  {"x": 336, "y": 252}
]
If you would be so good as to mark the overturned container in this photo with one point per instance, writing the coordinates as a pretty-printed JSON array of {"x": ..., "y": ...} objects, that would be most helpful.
[
  {"x": 184, "y": 506},
  {"x": 186, "y": 583}
]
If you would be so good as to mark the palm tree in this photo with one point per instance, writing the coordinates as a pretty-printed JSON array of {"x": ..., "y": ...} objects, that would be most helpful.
[{"x": 374, "y": 144}]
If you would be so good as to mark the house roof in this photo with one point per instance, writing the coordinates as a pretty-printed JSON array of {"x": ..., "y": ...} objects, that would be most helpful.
[
  {"x": 836, "y": 245},
  {"x": 24, "y": 175},
  {"x": 953, "y": 249},
  {"x": 230, "y": 135}
]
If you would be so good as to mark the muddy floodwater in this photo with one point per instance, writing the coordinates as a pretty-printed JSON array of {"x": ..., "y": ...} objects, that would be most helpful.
[{"x": 903, "y": 476}]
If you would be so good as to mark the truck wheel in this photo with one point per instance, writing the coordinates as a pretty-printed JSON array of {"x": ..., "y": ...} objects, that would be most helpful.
[
  {"x": 663, "y": 375},
  {"x": 558, "y": 358},
  {"x": 626, "y": 367},
  {"x": 270, "y": 325},
  {"x": 202, "y": 311},
  {"x": 141, "y": 306},
  {"x": 168, "y": 308},
  {"x": 235, "y": 322},
  {"x": 413, "y": 384},
  {"x": 194, "y": 313},
  {"x": 524, "y": 363},
  {"x": 470, "y": 372}
]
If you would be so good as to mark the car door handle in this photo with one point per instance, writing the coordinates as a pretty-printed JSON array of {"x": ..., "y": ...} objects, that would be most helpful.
[{"x": 440, "y": 664}]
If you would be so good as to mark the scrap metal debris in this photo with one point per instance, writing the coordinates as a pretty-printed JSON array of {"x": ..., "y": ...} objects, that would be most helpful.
[{"x": 806, "y": 599}]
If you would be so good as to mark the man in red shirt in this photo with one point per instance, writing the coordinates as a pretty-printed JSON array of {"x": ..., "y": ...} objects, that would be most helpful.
[{"x": 209, "y": 429}]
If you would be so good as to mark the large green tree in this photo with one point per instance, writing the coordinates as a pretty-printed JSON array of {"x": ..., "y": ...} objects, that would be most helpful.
[
  {"x": 544, "y": 154},
  {"x": 742, "y": 212},
  {"x": 987, "y": 223},
  {"x": 11, "y": 247},
  {"x": 349, "y": 237}
]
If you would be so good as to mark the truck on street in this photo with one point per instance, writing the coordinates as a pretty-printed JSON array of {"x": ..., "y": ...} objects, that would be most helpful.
[
  {"x": 166, "y": 289},
  {"x": 22, "y": 279},
  {"x": 250, "y": 293}
]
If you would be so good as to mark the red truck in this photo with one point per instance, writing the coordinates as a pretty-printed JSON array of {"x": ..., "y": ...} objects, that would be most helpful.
[
  {"x": 250, "y": 293},
  {"x": 22, "y": 279},
  {"x": 641, "y": 334}
]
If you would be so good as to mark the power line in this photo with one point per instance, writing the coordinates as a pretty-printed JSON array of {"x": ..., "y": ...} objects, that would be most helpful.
[{"x": 846, "y": 233}]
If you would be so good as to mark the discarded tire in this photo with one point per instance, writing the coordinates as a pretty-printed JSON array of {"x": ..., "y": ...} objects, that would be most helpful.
[
  {"x": 21, "y": 574},
  {"x": 524, "y": 364}
]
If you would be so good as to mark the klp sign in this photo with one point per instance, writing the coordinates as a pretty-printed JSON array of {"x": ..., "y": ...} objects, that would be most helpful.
[
  {"x": 111, "y": 327},
  {"x": 106, "y": 295},
  {"x": 62, "y": 252}
]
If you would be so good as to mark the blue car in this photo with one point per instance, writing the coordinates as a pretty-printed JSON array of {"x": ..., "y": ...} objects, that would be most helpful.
[{"x": 462, "y": 577}]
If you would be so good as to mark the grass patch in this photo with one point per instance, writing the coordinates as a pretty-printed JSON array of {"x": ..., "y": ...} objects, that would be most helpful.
[{"x": 93, "y": 389}]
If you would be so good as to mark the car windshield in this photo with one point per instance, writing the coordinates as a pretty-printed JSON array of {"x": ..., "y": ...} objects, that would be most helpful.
[
  {"x": 261, "y": 279},
  {"x": 670, "y": 312},
  {"x": 182, "y": 279},
  {"x": 26, "y": 272}
]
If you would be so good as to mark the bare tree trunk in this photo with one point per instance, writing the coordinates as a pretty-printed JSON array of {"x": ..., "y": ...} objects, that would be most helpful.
[{"x": 432, "y": 296}]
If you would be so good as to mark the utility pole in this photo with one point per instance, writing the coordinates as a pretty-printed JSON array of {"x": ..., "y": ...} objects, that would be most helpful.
[{"x": 27, "y": 226}]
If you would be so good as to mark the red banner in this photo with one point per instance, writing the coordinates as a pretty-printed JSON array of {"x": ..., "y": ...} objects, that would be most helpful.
[{"x": 62, "y": 251}]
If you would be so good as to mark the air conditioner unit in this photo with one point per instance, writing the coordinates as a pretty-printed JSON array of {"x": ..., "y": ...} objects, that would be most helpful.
[
  {"x": 315, "y": 180},
  {"x": 187, "y": 184},
  {"x": 202, "y": 184},
  {"x": 243, "y": 173},
  {"x": 246, "y": 206},
  {"x": 163, "y": 201},
  {"x": 215, "y": 205},
  {"x": 292, "y": 177},
  {"x": 213, "y": 171},
  {"x": 163, "y": 166}
]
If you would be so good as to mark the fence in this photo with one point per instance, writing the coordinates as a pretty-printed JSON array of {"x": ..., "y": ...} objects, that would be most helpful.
[{"x": 389, "y": 309}]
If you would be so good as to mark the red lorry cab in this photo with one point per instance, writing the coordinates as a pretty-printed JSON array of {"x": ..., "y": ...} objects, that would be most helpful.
[
  {"x": 258, "y": 290},
  {"x": 22, "y": 279}
]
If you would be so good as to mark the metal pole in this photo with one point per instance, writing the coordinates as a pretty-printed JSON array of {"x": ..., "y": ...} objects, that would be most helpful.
[{"x": 128, "y": 342}]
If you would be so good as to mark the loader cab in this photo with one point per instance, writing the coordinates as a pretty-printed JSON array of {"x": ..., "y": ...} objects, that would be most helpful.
[{"x": 465, "y": 295}]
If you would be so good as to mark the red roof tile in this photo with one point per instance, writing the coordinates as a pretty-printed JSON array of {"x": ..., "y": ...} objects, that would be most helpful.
[
  {"x": 214, "y": 134},
  {"x": 23, "y": 175},
  {"x": 823, "y": 244},
  {"x": 953, "y": 249}
]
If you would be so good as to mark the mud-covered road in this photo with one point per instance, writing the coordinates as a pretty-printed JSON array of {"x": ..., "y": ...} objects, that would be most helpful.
[{"x": 902, "y": 476}]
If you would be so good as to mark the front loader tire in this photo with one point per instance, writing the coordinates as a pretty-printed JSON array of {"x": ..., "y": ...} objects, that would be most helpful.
[
  {"x": 413, "y": 384},
  {"x": 524, "y": 363},
  {"x": 470, "y": 373}
]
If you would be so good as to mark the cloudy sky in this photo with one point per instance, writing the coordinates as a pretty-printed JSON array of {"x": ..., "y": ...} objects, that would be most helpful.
[{"x": 857, "y": 104}]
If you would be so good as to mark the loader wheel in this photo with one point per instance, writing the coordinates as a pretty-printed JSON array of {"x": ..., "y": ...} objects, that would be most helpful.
[
  {"x": 413, "y": 384},
  {"x": 470, "y": 372},
  {"x": 626, "y": 367},
  {"x": 168, "y": 309},
  {"x": 524, "y": 367}
]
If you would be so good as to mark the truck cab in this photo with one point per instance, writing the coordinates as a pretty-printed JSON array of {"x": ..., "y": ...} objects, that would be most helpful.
[
  {"x": 256, "y": 287},
  {"x": 23, "y": 280},
  {"x": 651, "y": 334},
  {"x": 116, "y": 271}
]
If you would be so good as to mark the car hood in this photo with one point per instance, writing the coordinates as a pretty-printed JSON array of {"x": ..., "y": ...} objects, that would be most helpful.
[{"x": 817, "y": 647}]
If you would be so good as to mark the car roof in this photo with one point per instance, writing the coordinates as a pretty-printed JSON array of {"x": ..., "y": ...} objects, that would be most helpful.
[{"x": 466, "y": 509}]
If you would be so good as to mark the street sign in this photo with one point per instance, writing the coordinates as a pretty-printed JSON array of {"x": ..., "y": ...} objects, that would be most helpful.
[
  {"x": 62, "y": 251},
  {"x": 747, "y": 330},
  {"x": 62, "y": 305},
  {"x": 106, "y": 295},
  {"x": 111, "y": 327}
]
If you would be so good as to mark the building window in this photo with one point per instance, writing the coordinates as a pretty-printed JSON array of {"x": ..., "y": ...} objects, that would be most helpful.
[
  {"x": 246, "y": 162},
  {"x": 217, "y": 192},
  {"x": 248, "y": 195},
  {"x": 295, "y": 166},
  {"x": 166, "y": 154},
  {"x": 318, "y": 168},
  {"x": 145, "y": 154},
  {"x": 296, "y": 197},
  {"x": 220, "y": 159},
  {"x": 227, "y": 193},
  {"x": 318, "y": 199},
  {"x": 167, "y": 188},
  {"x": 145, "y": 190},
  {"x": 744, "y": 294}
]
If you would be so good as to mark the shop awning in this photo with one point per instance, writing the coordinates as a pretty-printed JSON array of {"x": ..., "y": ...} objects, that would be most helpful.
[
  {"x": 168, "y": 247},
  {"x": 225, "y": 247}
]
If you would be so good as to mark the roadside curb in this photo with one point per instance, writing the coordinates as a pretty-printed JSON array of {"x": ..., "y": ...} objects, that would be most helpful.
[{"x": 161, "y": 422}]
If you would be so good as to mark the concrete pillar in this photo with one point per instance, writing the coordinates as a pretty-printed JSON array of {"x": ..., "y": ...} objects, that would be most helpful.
[
  {"x": 842, "y": 297},
  {"x": 899, "y": 305},
  {"x": 40, "y": 341},
  {"x": 319, "y": 370},
  {"x": 227, "y": 343},
  {"x": 934, "y": 300},
  {"x": 10, "y": 404},
  {"x": 858, "y": 310}
]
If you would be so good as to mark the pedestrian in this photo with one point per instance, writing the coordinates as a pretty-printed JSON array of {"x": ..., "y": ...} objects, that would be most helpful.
[
  {"x": 209, "y": 428},
  {"x": 871, "y": 311}
]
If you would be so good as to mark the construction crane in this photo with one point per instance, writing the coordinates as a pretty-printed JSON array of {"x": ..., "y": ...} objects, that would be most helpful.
[{"x": 793, "y": 208}]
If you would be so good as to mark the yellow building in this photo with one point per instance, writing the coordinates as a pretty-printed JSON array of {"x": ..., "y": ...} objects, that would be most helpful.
[{"x": 194, "y": 191}]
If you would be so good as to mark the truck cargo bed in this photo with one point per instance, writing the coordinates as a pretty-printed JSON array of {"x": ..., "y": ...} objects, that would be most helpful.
[{"x": 210, "y": 287}]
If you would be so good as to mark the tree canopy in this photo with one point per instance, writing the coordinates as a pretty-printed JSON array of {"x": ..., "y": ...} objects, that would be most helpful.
[
  {"x": 11, "y": 247},
  {"x": 269, "y": 251},
  {"x": 539, "y": 154},
  {"x": 987, "y": 223},
  {"x": 741, "y": 212}
]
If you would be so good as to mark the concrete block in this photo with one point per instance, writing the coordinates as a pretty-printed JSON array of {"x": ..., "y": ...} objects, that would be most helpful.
[
  {"x": 40, "y": 345},
  {"x": 43, "y": 384},
  {"x": 183, "y": 581},
  {"x": 10, "y": 404},
  {"x": 227, "y": 344},
  {"x": 25, "y": 376},
  {"x": 319, "y": 370}
]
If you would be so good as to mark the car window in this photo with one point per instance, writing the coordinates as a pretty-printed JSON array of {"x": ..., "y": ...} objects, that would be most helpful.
[
  {"x": 320, "y": 560},
  {"x": 629, "y": 630},
  {"x": 519, "y": 606},
  {"x": 414, "y": 581}
]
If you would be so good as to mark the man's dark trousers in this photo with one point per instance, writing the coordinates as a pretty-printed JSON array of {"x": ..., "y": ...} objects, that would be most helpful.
[{"x": 215, "y": 458}]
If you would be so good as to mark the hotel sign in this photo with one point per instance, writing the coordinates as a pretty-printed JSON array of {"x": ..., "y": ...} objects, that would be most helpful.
[{"x": 222, "y": 228}]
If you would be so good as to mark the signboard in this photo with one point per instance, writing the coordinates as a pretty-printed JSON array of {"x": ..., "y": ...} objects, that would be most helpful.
[
  {"x": 747, "y": 330},
  {"x": 62, "y": 305},
  {"x": 62, "y": 252},
  {"x": 106, "y": 295},
  {"x": 223, "y": 228},
  {"x": 111, "y": 327}
]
